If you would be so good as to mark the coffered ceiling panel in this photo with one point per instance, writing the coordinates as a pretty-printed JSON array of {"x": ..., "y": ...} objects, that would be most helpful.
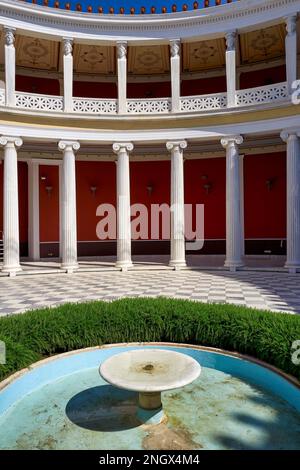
[
  {"x": 37, "y": 53},
  {"x": 263, "y": 44},
  {"x": 94, "y": 59},
  {"x": 203, "y": 55},
  {"x": 148, "y": 59}
]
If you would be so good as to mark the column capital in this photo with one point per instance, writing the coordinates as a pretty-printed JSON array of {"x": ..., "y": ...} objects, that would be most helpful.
[
  {"x": 176, "y": 145},
  {"x": 121, "y": 49},
  {"x": 231, "y": 140},
  {"x": 11, "y": 141},
  {"x": 230, "y": 37},
  {"x": 9, "y": 34},
  {"x": 175, "y": 47},
  {"x": 291, "y": 24},
  {"x": 68, "y": 46},
  {"x": 68, "y": 145},
  {"x": 289, "y": 134},
  {"x": 122, "y": 147}
]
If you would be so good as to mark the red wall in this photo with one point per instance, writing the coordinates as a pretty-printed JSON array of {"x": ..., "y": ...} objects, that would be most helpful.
[
  {"x": 102, "y": 175},
  {"x": 265, "y": 211},
  {"x": 1, "y": 196},
  {"x": 149, "y": 90},
  {"x": 95, "y": 90},
  {"x": 33, "y": 84},
  {"x": 198, "y": 173},
  {"x": 263, "y": 77},
  {"x": 49, "y": 204},
  {"x": 203, "y": 86}
]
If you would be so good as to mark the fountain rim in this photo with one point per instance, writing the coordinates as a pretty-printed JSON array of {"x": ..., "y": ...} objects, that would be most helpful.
[{"x": 244, "y": 357}]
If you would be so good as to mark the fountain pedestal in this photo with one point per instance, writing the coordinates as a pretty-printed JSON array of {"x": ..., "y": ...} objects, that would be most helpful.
[{"x": 150, "y": 372}]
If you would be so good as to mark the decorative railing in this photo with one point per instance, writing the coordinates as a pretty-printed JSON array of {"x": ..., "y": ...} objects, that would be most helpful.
[
  {"x": 276, "y": 93},
  {"x": 38, "y": 102},
  {"x": 262, "y": 94},
  {"x": 203, "y": 103},
  {"x": 95, "y": 106},
  {"x": 149, "y": 106}
]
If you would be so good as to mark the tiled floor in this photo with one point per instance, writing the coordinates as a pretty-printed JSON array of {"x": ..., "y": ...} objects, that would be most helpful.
[{"x": 277, "y": 291}]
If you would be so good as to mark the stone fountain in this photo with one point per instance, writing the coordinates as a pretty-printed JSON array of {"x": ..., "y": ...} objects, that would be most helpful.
[{"x": 150, "y": 372}]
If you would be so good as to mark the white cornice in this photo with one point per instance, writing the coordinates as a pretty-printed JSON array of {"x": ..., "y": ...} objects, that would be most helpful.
[{"x": 212, "y": 22}]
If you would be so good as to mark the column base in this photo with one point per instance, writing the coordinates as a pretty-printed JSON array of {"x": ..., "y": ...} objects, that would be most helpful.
[
  {"x": 177, "y": 264},
  {"x": 11, "y": 270},
  {"x": 293, "y": 268},
  {"x": 233, "y": 265},
  {"x": 150, "y": 400},
  {"x": 124, "y": 265},
  {"x": 69, "y": 268}
]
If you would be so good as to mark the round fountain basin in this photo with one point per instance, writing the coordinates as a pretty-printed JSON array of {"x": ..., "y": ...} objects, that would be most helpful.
[
  {"x": 235, "y": 403},
  {"x": 150, "y": 370}
]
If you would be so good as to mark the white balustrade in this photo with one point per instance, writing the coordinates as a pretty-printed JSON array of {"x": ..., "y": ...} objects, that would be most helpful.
[
  {"x": 149, "y": 106},
  {"x": 188, "y": 104},
  {"x": 203, "y": 102},
  {"x": 95, "y": 106},
  {"x": 262, "y": 94},
  {"x": 37, "y": 102}
]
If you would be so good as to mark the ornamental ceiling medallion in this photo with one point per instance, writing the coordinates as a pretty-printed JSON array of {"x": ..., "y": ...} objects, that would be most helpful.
[
  {"x": 263, "y": 44},
  {"x": 148, "y": 60},
  {"x": 94, "y": 59},
  {"x": 203, "y": 55},
  {"x": 36, "y": 53}
]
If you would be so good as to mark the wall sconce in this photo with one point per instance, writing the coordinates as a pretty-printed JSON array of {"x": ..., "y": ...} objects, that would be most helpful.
[
  {"x": 49, "y": 190},
  {"x": 43, "y": 178},
  {"x": 207, "y": 187},
  {"x": 270, "y": 183},
  {"x": 93, "y": 190},
  {"x": 149, "y": 189}
]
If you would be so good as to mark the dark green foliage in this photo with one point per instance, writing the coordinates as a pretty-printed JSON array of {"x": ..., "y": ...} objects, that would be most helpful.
[{"x": 264, "y": 335}]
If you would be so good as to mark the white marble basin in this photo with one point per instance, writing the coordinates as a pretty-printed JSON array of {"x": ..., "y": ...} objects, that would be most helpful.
[{"x": 150, "y": 370}]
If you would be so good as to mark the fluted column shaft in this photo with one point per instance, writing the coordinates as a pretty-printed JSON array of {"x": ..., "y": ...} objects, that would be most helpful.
[
  {"x": 68, "y": 209},
  {"x": 293, "y": 201},
  {"x": 177, "y": 259},
  {"x": 233, "y": 203},
  {"x": 33, "y": 210},
  {"x": 123, "y": 205},
  {"x": 11, "y": 261}
]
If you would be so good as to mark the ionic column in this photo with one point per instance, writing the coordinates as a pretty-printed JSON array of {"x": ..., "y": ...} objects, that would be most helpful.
[
  {"x": 122, "y": 76},
  {"x": 233, "y": 203},
  {"x": 68, "y": 209},
  {"x": 177, "y": 259},
  {"x": 175, "y": 74},
  {"x": 10, "y": 67},
  {"x": 11, "y": 261},
  {"x": 293, "y": 200},
  {"x": 291, "y": 50},
  {"x": 122, "y": 150},
  {"x": 231, "y": 67},
  {"x": 33, "y": 210},
  {"x": 68, "y": 74}
]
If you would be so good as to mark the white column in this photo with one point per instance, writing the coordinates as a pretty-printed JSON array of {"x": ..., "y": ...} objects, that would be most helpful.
[
  {"x": 293, "y": 200},
  {"x": 231, "y": 67},
  {"x": 68, "y": 74},
  {"x": 10, "y": 67},
  {"x": 233, "y": 203},
  {"x": 291, "y": 50},
  {"x": 68, "y": 200},
  {"x": 33, "y": 210},
  {"x": 123, "y": 205},
  {"x": 175, "y": 74},
  {"x": 241, "y": 163},
  {"x": 11, "y": 262},
  {"x": 177, "y": 259},
  {"x": 122, "y": 76}
]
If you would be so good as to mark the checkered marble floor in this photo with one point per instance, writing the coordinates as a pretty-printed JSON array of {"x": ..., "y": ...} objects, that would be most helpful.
[{"x": 275, "y": 291}]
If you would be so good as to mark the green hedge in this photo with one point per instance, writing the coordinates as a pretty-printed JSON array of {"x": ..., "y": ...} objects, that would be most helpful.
[{"x": 40, "y": 333}]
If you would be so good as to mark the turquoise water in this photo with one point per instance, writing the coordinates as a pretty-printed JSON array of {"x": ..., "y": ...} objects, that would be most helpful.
[{"x": 68, "y": 406}]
